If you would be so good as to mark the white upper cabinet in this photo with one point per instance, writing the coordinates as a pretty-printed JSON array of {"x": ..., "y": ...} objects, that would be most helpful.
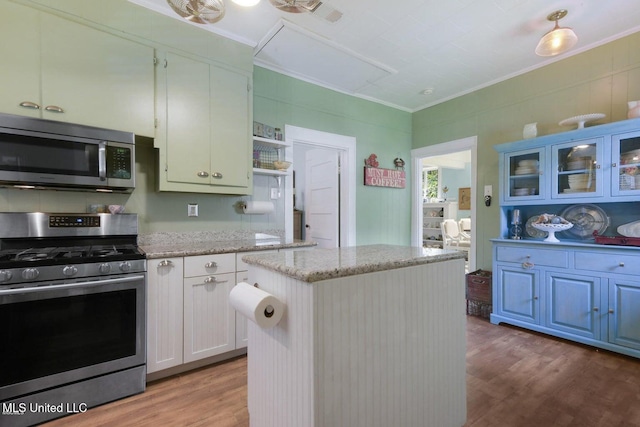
[
  {"x": 20, "y": 59},
  {"x": 203, "y": 135},
  {"x": 61, "y": 70}
]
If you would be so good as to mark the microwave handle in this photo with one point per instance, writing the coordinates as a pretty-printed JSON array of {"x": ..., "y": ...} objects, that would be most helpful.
[{"x": 102, "y": 160}]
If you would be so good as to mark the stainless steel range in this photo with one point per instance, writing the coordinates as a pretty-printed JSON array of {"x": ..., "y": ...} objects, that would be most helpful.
[{"x": 72, "y": 313}]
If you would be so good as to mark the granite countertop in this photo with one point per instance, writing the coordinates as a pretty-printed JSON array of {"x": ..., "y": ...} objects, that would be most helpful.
[
  {"x": 168, "y": 245},
  {"x": 323, "y": 264}
]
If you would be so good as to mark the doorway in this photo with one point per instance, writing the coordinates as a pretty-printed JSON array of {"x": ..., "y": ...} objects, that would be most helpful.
[
  {"x": 438, "y": 152},
  {"x": 343, "y": 147}
]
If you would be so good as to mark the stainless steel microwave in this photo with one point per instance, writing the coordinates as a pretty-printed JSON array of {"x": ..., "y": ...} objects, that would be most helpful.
[{"x": 38, "y": 153}]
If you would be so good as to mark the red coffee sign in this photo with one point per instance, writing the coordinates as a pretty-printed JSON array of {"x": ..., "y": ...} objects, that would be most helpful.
[{"x": 378, "y": 177}]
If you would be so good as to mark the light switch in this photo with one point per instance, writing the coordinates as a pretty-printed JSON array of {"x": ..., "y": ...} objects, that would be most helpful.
[{"x": 488, "y": 190}]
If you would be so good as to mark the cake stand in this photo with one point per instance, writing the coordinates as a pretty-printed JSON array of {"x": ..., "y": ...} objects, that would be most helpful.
[
  {"x": 552, "y": 229},
  {"x": 581, "y": 120}
]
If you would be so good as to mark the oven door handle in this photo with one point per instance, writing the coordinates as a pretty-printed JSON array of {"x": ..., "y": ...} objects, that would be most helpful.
[{"x": 71, "y": 285}]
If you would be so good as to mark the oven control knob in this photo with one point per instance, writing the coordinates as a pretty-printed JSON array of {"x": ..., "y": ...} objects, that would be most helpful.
[
  {"x": 125, "y": 266},
  {"x": 30, "y": 273},
  {"x": 5, "y": 275},
  {"x": 69, "y": 270},
  {"x": 104, "y": 268}
]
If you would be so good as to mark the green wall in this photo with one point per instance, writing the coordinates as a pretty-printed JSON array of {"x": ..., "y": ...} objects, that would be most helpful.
[
  {"x": 600, "y": 80},
  {"x": 383, "y": 215}
]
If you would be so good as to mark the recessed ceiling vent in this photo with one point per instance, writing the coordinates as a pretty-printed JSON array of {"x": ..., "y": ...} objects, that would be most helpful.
[{"x": 326, "y": 12}]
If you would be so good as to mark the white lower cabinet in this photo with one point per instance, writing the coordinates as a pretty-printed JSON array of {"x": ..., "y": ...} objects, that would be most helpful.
[
  {"x": 189, "y": 317},
  {"x": 188, "y": 313},
  {"x": 578, "y": 293},
  {"x": 209, "y": 320},
  {"x": 164, "y": 313}
]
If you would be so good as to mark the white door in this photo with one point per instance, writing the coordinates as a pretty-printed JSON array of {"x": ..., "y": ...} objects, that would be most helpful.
[{"x": 322, "y": 203}]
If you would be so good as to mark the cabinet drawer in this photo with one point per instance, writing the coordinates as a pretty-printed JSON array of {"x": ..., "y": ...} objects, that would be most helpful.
[
  {"x": 545, "y": 257},
  {"x": 202, "y": 265},
  {"x": 607, "y": 262}
]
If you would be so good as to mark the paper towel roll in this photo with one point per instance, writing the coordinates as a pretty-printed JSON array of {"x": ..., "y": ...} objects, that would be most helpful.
[
  {"x": 256, "y": 208},
  {"x": 260, "y": 307}
]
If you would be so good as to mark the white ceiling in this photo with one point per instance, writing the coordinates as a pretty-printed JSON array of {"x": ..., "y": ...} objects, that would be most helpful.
[{"x": 389, "y": 51}]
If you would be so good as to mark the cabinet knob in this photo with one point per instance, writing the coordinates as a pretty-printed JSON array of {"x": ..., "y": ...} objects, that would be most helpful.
[
  {"x": 211, "y": 264},
  {"x": 535, "y": 298},
  {"x": 54, "y": 109},
  {"x": 621, "y": 264},
  {"x": 29, "y": 104},
  {"x": 596, "y": 309},
  {"x": 613, "y": 165},
  {"x": 217, "y": 175},
  {"x": 203, "y": 174},
  {"x": 611, "y": 311},
  {"x": 165, "y": 263}
]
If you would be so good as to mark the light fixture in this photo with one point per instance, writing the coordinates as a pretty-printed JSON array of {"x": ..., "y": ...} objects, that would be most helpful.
[
  {"x": 199, "y": 11},
  {"x": 558, "y": 40},
  {"x": 246, "y": 3}
]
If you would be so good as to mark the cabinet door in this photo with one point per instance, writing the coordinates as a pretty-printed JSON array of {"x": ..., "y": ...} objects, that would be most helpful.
[
  {"x": 97, "y": 78},
  {"x": 573, "y": 304},
  {"x": 20, "y": 70},
  {"x": 209, "y": 320},
  {"x": 523, "y": 174},
  {"x": 577, "y": 169},
  {"x": 188, "y": 126},
  {"x": 518, "y": 293},
  {"x": 230, "y": 122},
  {"x": 625, "y": 176},
  {"x": 624, "y": 312},
  {"x": 164, "y": 314}
]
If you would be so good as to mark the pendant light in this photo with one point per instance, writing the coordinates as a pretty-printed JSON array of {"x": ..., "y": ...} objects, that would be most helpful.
[{"x": 558, "y": 40}]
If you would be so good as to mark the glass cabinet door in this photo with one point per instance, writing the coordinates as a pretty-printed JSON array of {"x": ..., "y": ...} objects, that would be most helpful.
[
  {"x": 577, "y": 169},
  {"x": 523, "y": 175},
  {"x": 625, "y": 180}
]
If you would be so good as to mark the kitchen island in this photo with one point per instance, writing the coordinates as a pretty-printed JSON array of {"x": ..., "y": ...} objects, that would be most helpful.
[{"x": 371, "y": 336}]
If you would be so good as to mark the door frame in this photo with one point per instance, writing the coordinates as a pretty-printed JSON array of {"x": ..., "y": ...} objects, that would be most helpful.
[
  {"x": 346, "y": 147},
  {"x": 464, "y": 144}
]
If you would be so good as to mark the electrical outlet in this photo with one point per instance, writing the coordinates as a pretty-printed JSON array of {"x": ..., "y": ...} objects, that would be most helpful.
[
  {"x": 275, "y": 193},
  {"x": 192, "y": 209}
]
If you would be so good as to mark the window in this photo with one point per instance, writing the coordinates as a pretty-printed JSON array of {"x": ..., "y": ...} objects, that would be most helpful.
[{"x": 430, "y": 177}]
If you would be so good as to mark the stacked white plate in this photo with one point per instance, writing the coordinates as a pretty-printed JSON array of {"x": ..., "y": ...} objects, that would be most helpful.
[
  {"x": 580, "y": 181},
  {"x": 579, "y": 163},
  {"x": 526, "y": 167}
]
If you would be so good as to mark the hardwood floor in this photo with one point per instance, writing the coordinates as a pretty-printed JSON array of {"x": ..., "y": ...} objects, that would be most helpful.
[{"x": 515, "y": 378}]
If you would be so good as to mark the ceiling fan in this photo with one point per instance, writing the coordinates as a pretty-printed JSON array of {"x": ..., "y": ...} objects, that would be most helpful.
[
  {"x": 296, "y": 6},
  {"x": 199, "y": 11}
]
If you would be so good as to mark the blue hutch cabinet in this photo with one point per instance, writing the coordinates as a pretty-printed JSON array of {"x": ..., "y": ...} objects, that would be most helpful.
[{"x": 575, "y": 289}]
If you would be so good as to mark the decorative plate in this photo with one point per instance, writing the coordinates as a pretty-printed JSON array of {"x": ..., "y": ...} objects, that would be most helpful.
[
  {"x": 586, "y": 219},
  {"x": 581, "y": 120},
  {"x": 534, "y": 232},
  {"x": 631, "y": 229}
]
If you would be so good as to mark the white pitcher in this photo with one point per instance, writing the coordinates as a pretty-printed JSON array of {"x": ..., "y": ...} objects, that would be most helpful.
[{"x": 634, "y": 109}]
